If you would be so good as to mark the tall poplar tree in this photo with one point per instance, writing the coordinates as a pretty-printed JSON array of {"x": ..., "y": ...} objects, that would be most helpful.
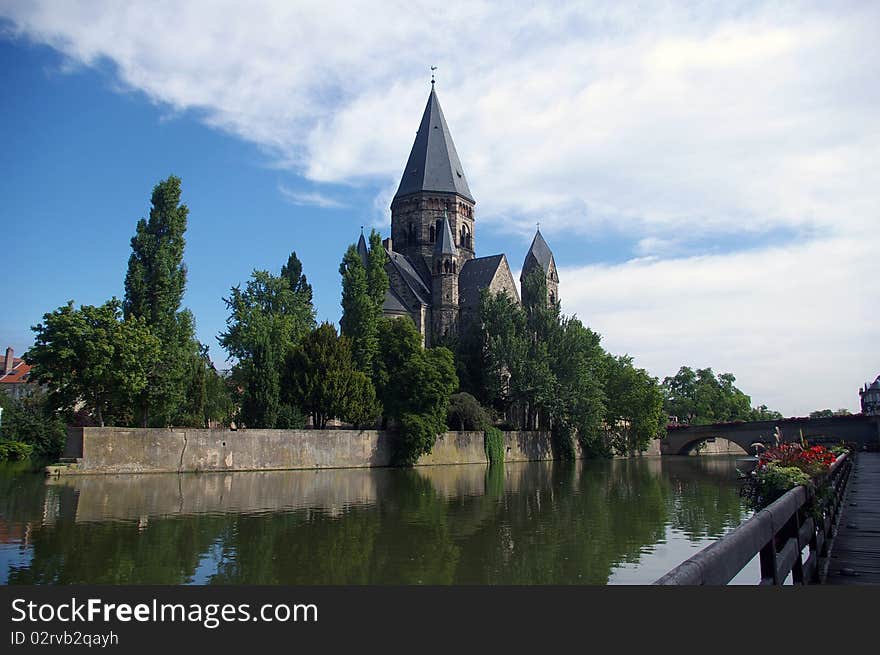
[
  {"x": 364, "y": 285},
  {"x": 154, "y": 287}
]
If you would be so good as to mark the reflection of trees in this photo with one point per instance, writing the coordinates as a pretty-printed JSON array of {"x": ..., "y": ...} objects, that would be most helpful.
[
  {"x": 540, "y": 523},
  {"x": 163, "y": 551},
  {"x": 706, "y": 502}
]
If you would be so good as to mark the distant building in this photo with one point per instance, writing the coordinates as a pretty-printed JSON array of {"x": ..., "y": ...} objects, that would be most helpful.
[
  {"x": 14, "y": 377},
  {"x": 434, "y": 274},
  {"x": 870, "y": 397}
]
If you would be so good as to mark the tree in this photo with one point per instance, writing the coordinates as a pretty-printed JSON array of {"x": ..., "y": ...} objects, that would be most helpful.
[
  {"x": 466, "y": 413},
  {"x": 414, "y": 385},
  {"x": 493, "y": 351},
  {"x": 578, "y": 364},
  {"x": 700, "y": 397},
  {"x": 91, "y": 356},
  {"x": 321, "y": 376},
  {"x": 299, "y": 285},
  {"x": 267, "y": 320},
  {"x": 634, "y": 407},
  {"x": 154, "y": 287},
  {"x": 363, "y": 293},
  {"x": 31, "y": 420}
]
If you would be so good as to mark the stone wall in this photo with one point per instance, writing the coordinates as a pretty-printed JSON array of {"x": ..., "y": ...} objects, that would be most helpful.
[{"x": 149, "y": 450}]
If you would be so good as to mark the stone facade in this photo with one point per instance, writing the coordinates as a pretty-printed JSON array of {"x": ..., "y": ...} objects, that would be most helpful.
[{"x": 434, "y": 273}]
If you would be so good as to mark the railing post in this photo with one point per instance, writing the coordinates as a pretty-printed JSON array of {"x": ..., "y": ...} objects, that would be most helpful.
[{"x": 768, "y": 562}]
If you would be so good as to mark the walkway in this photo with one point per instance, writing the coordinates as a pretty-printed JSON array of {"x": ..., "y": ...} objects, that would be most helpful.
[{"x": 855, "y": 553}]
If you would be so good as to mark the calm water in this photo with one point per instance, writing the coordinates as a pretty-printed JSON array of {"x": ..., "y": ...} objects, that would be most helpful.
[{"x": 609, "y": 522}]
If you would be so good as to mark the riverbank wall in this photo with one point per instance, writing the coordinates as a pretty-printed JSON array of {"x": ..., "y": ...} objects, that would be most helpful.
[{"x": 159, "y": 450}]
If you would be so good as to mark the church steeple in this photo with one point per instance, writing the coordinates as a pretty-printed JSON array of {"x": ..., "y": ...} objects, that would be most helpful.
[
  {"x": 433, "y": 163},
  {"x": 540, "y": 257},
  {"x": 432, "y": 186}
]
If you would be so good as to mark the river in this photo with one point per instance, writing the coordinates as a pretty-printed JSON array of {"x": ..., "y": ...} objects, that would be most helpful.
[{"x": 588, "y": 522}]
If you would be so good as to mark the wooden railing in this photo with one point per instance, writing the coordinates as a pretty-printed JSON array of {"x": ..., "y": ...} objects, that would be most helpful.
[{"x": 779, "y": 533}]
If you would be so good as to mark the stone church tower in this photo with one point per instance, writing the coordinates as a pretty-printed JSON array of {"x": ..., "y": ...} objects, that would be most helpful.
[
  {"x": 540, "y": 257},
  {"x": 434, "y": 274}
]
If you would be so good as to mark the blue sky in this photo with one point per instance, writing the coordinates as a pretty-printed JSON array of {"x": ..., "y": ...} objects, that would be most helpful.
[{"x": 705, "y": 174}]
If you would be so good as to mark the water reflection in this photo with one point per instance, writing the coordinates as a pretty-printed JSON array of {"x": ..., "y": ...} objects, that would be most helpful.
[{"x": 536, "y": 523}]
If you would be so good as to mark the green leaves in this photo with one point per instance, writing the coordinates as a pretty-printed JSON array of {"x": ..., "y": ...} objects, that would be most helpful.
[
  {"x": 363, "y": 294},
  {"x": 267, "y": 319},
  {"x": 91, "y": 355},
  {"x": 700, "y": 398},
  {"x": 324, "y": 382}
]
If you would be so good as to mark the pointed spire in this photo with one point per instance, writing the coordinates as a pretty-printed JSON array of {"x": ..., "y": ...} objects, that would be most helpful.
[
  {"x": 433, "y": 163},
  {"x": 362, "y": 248},
  {"x": 540, "y": 251},
  {"x": 445, "y": 244}
]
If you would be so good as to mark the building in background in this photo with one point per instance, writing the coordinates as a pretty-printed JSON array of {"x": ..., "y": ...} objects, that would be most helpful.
[
  {"x": 14, "y": 378},
  {"x": 870, "y": 397}
]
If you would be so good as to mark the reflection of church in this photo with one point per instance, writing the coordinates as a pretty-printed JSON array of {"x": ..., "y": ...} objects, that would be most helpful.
[
  {"x": 434, "y": 273},
  {"x": 870, "y": 397}
]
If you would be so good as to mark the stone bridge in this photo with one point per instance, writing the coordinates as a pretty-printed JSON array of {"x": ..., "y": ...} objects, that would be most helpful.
[{"x": 857, "y": 428}]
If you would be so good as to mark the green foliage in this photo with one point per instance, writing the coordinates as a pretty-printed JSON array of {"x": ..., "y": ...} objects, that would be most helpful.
[
  {"x": 414, "y": 385},
  {"x": 773, "y": 481},
  {"x": 634, "y": 411},
  {"x": 562, "y": 436},
  {"x": 322, "y": 379},
  {"x": 494, "y": 445},
  {"x": 466, "y": 413},
  {"x": 492, "y": 352},
  {"x": 553, "y": 371},
  {"x": 762, "y": 413},
  {"x": 154, "y": 286},
  {"x": 267, "y": 319},
  {"x": 363, "y": 294},
  {"x": 32, "y": 421},
  {"x": 90, "y": 355},
  {"x": 700, "y": 398},
  {"x": 297, "y": 281},
  {"x": 14, "y": 450},
  {"x": 290, "y": 417}
]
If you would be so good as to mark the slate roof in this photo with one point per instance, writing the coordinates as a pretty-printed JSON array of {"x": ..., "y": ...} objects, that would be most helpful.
[
  {"x": 540, "y": 251},
  {"x": 476, "y": 274},
  {"x": 445, "y": 244},
  {"x": 393, "y": 304},
  {"x": 413, "y": 280},
  {"x": 362, "y": 249},
  {"x": 433, "y": 163}
]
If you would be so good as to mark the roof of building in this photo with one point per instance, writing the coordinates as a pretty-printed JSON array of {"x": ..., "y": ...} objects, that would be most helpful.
[
  {"x": 875, "y": 384},
  {"x": 19, "y": 373},
  {"x": 540, "y": 251},
  {"x": 445, "y": 244},
  {"x": 433, "y": 163},
  {"x": 393, "y": 303},
  {"x": 362, "y": 249},
  {"x": 477, "y": 274},
  {"x": 413, "y": 280}
]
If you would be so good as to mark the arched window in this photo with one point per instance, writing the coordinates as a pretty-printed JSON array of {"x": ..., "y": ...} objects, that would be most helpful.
[
  {"x": 433, "y": 234},
  {"x": 453, "y": 267},
  {"x": 552, "y": 298},
  {"x": 447, "y": 267}
]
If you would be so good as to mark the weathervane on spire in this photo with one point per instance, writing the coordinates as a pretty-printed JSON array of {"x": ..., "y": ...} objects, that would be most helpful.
[{"x": 433, "y": 68}]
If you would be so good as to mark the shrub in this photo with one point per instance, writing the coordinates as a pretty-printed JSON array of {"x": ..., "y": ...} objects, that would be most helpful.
[
  {"x": 15, "y": 450},
  {"x": 466, "y": 413},
  {"x": 494, "y": 445}
]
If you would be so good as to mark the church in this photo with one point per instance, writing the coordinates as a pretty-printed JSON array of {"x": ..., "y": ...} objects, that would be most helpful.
[{"x": 435, "y": 276}]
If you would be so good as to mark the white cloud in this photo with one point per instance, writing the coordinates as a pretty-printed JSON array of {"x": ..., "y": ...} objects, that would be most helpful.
[
  {"x": 794, "y": 324},
  {"x": 310, "y": 198},
  {"x": 670, "y": 124}
]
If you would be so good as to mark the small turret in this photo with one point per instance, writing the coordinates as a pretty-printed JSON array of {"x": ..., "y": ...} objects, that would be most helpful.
[
  {"x": 444, "y": 277},
  {"x": 541, "y": 257}
]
